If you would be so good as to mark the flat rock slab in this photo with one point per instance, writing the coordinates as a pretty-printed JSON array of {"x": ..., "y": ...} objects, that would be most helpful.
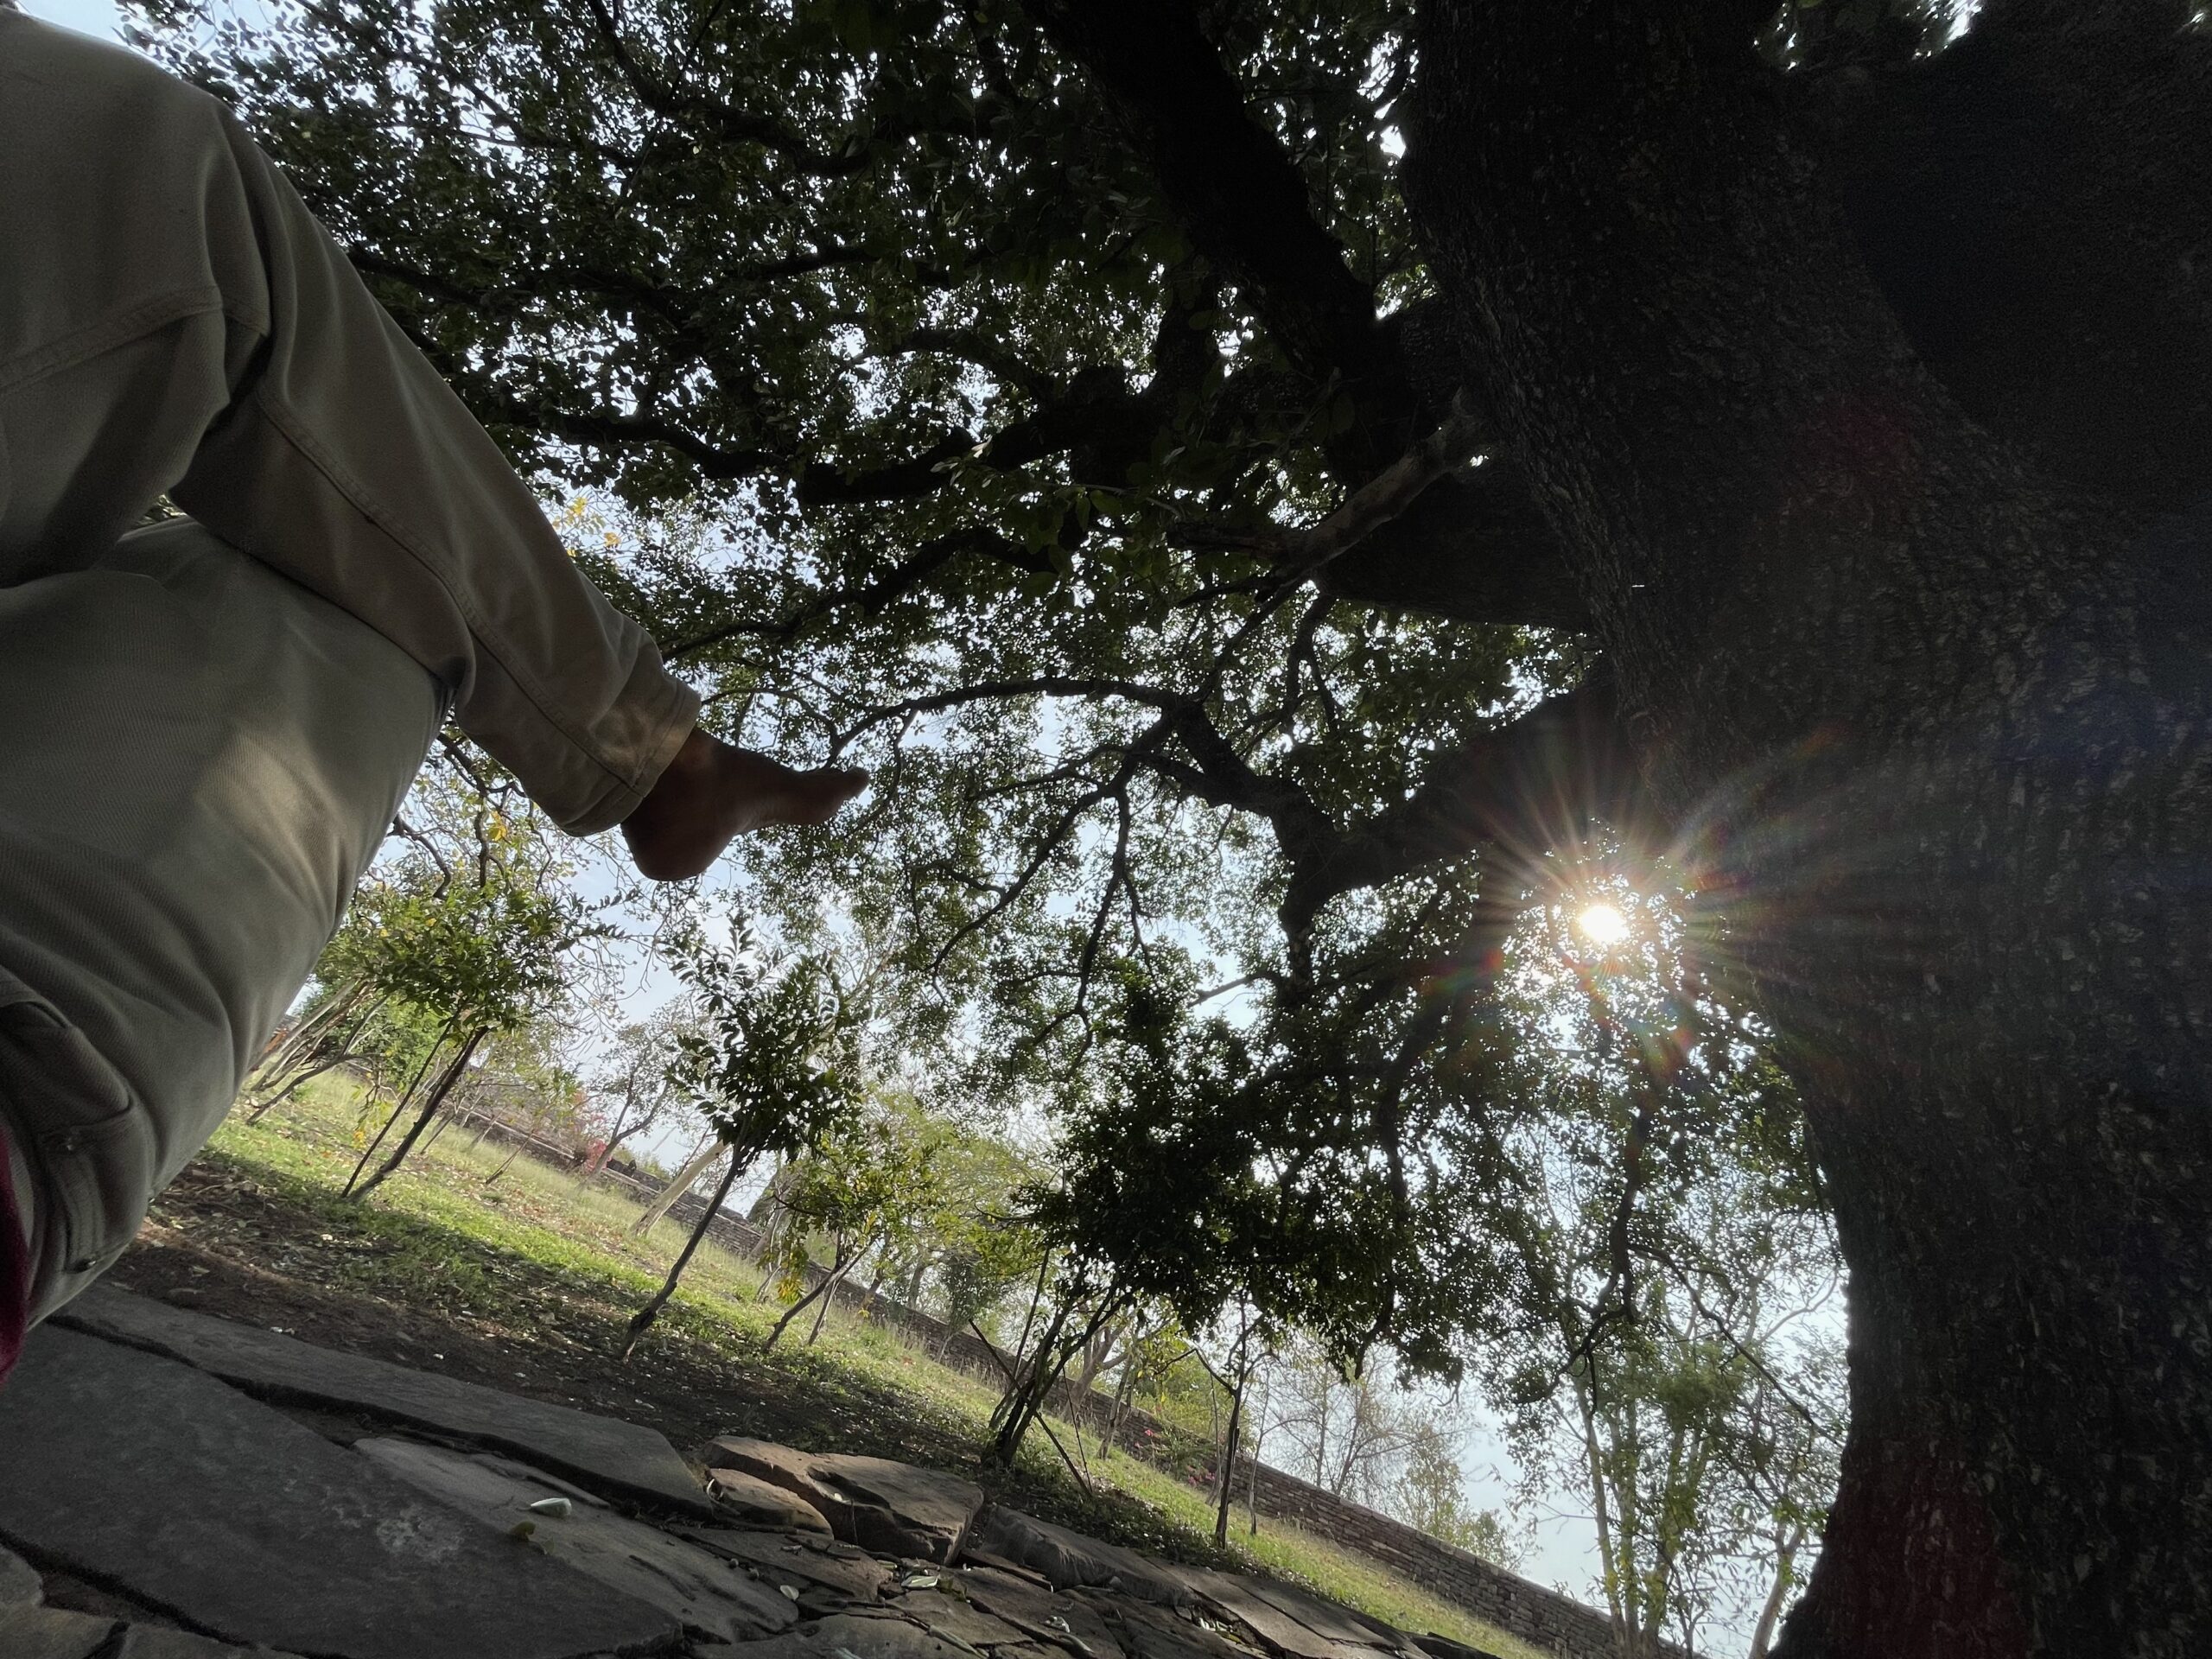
[
  {"x": 148, "y": 1642},
  {"x": 51, "y": 1633},
  {"x": 943, "y": 1609},
  {"x": 853, "y": 1635},
  {"x": 813, "y": 1574},
  {"x": 1329, "y": 1619},
  {"x": 1049, "y": 1617},
  {"x": 603, "y": 1453},
  {"x": 20, "y": 1585},
  {"x": 131, "y": 1470},
  {"x": 1278, "y": 1628},
  {"x": 702, "y": 1590},
  {"x": 750, "y": 1502},
  {"x": 1151, "y": 1631},
  {"x": 1069, "y": 1560},
  {"x": 892, "y": 1508}
]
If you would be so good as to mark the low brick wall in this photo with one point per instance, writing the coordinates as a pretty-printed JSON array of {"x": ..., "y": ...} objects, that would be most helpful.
[{"x": 1544, "y": 1618}]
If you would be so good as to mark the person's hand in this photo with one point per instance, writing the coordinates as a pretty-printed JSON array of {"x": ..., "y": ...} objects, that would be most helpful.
[{"x": 712, "y": 792}]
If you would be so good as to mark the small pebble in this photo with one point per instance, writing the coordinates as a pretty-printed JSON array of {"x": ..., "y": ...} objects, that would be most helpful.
[{"x": 556, "y": 1507}]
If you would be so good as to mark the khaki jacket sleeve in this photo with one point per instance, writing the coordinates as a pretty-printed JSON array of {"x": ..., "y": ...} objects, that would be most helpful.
[{"x": 327, "y": 446}]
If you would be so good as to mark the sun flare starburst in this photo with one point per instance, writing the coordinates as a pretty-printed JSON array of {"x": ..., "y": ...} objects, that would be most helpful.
[{"x": 1602, "y": 923}]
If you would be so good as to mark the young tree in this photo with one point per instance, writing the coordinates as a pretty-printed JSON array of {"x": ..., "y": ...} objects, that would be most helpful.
[
  {"x": 866, "y": 1188},
  {"x": 1430, "y": 1493},
  {"x": 477, "y": 937},
  {"x": 634, "y": 1091},
  {"x": 769, "y": 1064},
  {"x": 1672, "y": 1246},
  {"x": 1350, "y": 1432}
]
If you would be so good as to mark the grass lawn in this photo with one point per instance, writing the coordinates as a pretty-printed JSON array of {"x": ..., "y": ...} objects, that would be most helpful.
[{"x": 509, "y": 1273}]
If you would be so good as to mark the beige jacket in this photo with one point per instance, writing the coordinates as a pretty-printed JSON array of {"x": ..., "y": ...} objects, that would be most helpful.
[
  {"x": 205, "y": 727},
  {"x": 172, "y": 320}
]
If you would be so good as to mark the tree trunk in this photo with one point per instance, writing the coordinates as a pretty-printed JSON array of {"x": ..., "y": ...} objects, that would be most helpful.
[
  {"x": 829, "y": 1296},
  {"x": 665, "y": 1200},
  {"x": 283, "y": 1052},
  {"x": 1934, "y": 732},
  {"x": 1122, "y": 1392},
  {"x": 1785, "y": 1578},
  {"x": 1228, "y": 1463},
  {"x": 400, "y": 1105},
  {"x": 438, "y": 1092},
  {"x": 821, "y": 1294},
  {"x": 641, "y": 1321}
]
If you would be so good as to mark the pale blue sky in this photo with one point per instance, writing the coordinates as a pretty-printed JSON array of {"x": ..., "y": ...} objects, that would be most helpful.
[{"x": 97, "y": 17}]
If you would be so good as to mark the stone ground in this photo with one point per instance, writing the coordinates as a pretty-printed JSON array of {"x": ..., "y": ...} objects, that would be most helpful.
[{"x": 177, "y": 1487}]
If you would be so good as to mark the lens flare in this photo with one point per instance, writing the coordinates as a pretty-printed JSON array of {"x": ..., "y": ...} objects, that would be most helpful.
[{"x": 1603, "y": 923}]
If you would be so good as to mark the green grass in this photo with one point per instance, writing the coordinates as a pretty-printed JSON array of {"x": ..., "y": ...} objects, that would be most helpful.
[{"x": 545, "y": 1268}]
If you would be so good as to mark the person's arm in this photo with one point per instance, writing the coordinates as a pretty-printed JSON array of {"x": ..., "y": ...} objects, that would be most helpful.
[
  {"x": 172, "y": 319},
  {"x": 347, "y": 462}
]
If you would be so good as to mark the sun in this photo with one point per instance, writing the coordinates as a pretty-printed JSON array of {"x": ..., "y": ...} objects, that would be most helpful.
[{"x": 1603, "y": 923}]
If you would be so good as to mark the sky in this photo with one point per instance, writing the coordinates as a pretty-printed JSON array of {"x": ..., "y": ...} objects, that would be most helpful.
[{"x": 100, "y": 17}]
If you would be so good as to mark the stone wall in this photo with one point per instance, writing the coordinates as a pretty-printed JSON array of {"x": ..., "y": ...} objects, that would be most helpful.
[{"x": 1549, "y": 1620}]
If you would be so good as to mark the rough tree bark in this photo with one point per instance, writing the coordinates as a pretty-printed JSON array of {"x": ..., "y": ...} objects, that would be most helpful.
[{"x": 1939, "y": 729}]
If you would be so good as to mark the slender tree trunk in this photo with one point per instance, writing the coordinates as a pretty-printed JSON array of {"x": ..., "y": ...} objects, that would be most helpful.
[
  {"x": 665, "y": 1200},
  {"x": 445, "y": 1082},
  {"x": 1122, "y": 1392},
  {"x": 399, "y": 1106},
  {"x": 274, "y": 1066},
  {"x": 1252, "y": 1475},
  {"x": 642, "y": 1320},
  {"x": 829, "y": 1296},
  {"x": 820, "y": 1293},
  {"x": 1937, "y": 732},
  {"x": 1228, "y": 1462},
  {"x": 1024, "y": 1399},
  {"x": 1785, "y": 1560}
]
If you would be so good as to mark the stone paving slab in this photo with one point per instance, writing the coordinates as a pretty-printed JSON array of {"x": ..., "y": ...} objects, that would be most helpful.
[
  {"x": 1044, "y": 1612},
  {"x": 750, "y": 1502},
  {"x": 621, "y": 1459},
  {"x": 853, "y": 1635},
  {"x": 132, "y": 1470},
  {"x": 1324, "y": 1618},
  {"x": 948, "y": 1612},
  {"x": 778, "y": 1559},
  {"x": 1148, "y": 1630},
  {"x": 146, "y": 1641},
  {"x": 894, "y": 1508},
  {"x": 51, "y": 1633},
  {"x": 19, "y": 1583},
  {"x": 1232, "y": 1596},
  {"x": 703, "y": 1591},
  {"x": 1069, "y": 1560}
]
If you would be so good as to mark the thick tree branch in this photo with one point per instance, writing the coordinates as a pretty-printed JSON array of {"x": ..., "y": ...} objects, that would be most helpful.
[
  {"x": 724, "y": 119},
  {"x": 1244, "y": 204},
  {"x": 1521, "y": 790},
  {"x": 1115, "y": 425}
]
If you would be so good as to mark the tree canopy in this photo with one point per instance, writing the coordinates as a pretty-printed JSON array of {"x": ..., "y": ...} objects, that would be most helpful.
[{"x": 1280, "y": 493}]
